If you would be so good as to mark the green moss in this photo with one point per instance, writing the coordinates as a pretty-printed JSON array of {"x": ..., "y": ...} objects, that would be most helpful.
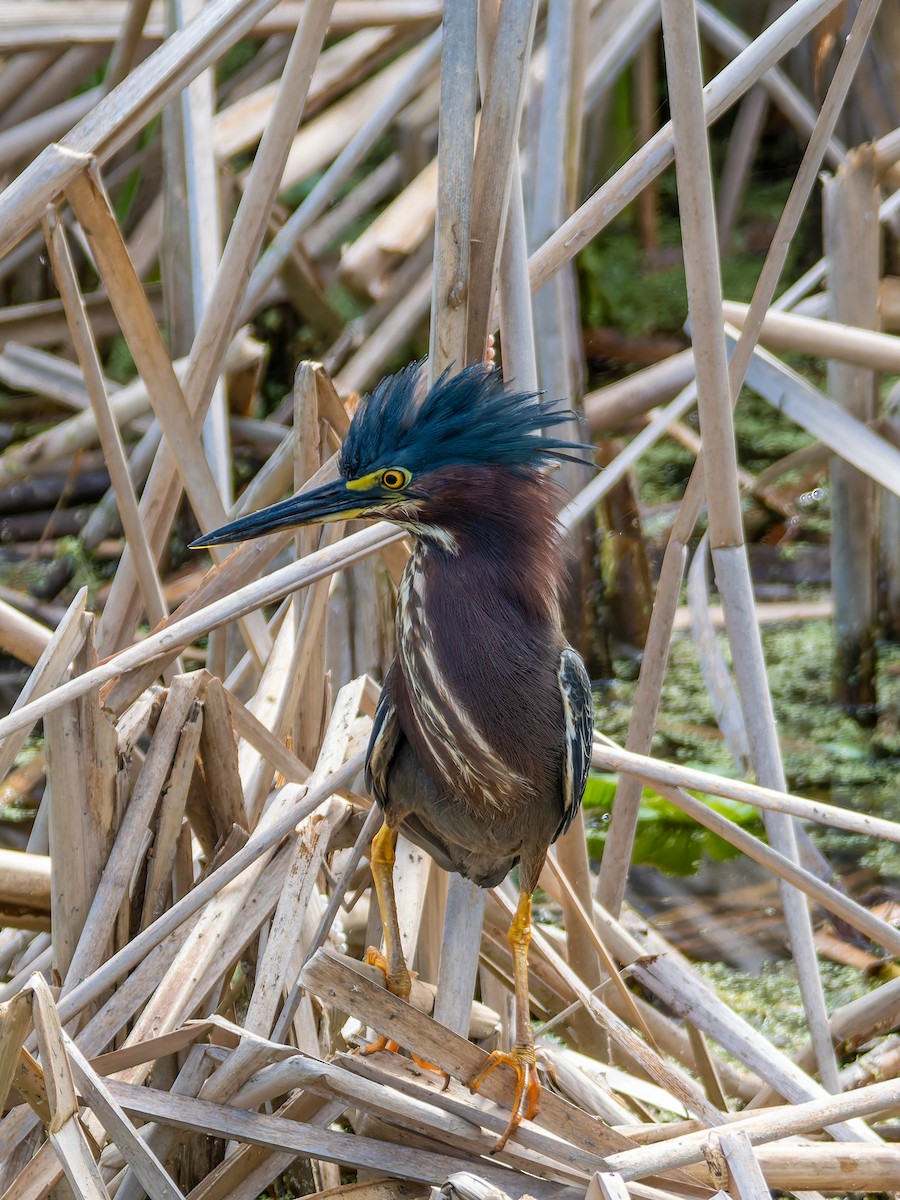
[
  {"x": 763, "y": 435},
  {"x": 770, "y": 1000},
  {"x": 621, "y": 290},
  {"x": 826, "y": 753},
  {"x": 627, "y": 289},
  {"x": 825, "y": 750},
  {"x": 235, "y": 58},
  {"x": 883, "y": 857},
  {"x": 120, "y": 364},
  {"x": 662, "y": 472},
  {"x": 686, "y": 729}
]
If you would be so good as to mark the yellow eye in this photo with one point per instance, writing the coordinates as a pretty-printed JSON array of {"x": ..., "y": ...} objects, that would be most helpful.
[{"x": 394, "y": 478}]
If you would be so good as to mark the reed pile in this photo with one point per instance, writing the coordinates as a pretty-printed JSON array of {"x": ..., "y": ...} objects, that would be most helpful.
[{"x": 182, "y": 933}]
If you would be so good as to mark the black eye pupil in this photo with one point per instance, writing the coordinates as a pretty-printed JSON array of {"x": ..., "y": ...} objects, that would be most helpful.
[{"x": 393, "y": 479}]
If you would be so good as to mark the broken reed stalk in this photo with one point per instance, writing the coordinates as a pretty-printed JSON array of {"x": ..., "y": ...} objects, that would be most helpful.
[
  {"x": 550, "y": 188},
  {"x": 719, "y": 94},
  {"x": 192, "y": 220},
  {"x": 504, "y": 91},
  {"x": 522, "y": 328},
  {"x": 492, "y": 222},
  {"x": 230, "y": 787},
  {"x": 49, "y": 670},
  {"x": 107, "y": 429},
  {"x": 160, "y": 496},
  {"x": 558, "y": 371},
  {"x": 453, "y": 214},
  {"x": 723, "y": 495},
  {"x": 302, "y": 710},
  {"x": 820, "y": 338},
  {"x": 464, "y": 903},
  {"x": 611, "y": 882},
  {"x": 181, "y": 633},
  {"x": 81, "y": 786},
  {"x": 852, "y": 247}
]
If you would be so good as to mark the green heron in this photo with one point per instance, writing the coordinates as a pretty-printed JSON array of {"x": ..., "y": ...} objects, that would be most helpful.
[{"x": 482, "y": 736}]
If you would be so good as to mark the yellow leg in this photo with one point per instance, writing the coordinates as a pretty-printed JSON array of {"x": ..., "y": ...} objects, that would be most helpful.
[
  {"x": 383, "y": 855},
  {"x": 521, "y": 1058},
  {"x": 396, "y": 973}
]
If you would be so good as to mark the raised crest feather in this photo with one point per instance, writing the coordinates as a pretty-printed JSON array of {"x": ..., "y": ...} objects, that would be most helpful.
[{"x": 466, "y": 419}]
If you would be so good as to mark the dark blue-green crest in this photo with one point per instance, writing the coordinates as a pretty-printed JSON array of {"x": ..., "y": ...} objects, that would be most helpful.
[{"x": 468, "y": 418}]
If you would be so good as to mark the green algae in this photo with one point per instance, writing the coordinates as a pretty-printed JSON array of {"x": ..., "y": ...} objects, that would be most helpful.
[
  {"x": 666, "y": 838},
  {"x": 770, "y": 998},
  {"x": 827, "y": 755}
]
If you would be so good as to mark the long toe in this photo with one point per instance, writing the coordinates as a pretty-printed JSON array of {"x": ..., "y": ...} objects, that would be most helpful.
[
  {"x": 527, "y": 1096},
  {"x": 383, "y": 1043},
  {"x": 380, "y": 1043}
]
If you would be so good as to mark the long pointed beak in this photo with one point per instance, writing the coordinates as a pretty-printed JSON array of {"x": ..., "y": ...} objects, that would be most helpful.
[{"x": 312, "y": 505}]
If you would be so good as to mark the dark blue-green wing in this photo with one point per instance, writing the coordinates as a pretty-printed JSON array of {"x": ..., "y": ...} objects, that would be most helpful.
[
  {"x": 578, "y": 710},
  {"x": 383, "y": 743}
]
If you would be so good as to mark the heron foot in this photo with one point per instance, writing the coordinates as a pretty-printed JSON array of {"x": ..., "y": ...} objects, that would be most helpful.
[
  {"x": 528, "y": 1086},
  {"x": 399, "y": 986},
  {"x": 398, "y": 981}
]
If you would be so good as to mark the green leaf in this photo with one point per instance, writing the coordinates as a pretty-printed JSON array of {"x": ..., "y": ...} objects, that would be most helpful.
[
  {"x": 600, "y": 791},
  {"x": 666, "y": 837}
]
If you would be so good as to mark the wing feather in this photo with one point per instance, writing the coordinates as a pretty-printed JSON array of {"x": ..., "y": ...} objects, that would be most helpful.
[
  {"x": 578, "y": 708},
  {"x": 383, "y": 743}
]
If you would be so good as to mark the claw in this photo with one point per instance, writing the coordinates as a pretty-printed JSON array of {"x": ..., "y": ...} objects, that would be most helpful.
[{"x": 528, "y": 1086}]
